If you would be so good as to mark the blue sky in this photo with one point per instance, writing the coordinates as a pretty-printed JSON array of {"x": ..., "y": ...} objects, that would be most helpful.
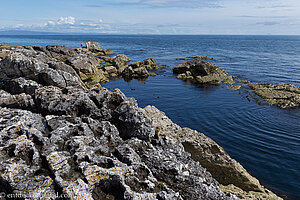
[{"x": 153, "y": 16}]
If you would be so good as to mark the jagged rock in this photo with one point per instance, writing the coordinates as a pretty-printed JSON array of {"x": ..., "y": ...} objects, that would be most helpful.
[
  {"x": 4, "y": 46},
  {"x": 3, "y": 53},
  {"x": 89, "y": 144},
  {"x": 202, "y": 72},
  {"x": 95, "y": 49},
  {"x": 67, "y": 101},
  {"x": 131, "y": 121},
  {"x": 93, "y": 46},
  {"x": 282, "y": 95},
  {"x": 23, "y": 101},
  {"x": 140, "y": 72},
  {"x": 87, "y": 68},
  {"x": 111, "y": 70},
  {"x": 24, "y": 63},
  {"x": 209, "y": 154},
  {"x": 83, "y": 64},
  {"x": 19, "y": 85},
  {"x": 106, "y": 51},
  {"x": 60, "y": 52},
  {"x": 20, "y": 164},
  {"x": 119, "y": 61}
]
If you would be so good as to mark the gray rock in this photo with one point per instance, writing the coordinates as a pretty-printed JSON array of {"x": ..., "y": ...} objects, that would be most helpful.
[
  {"x": 25, "y": 63},
  {"x": 131, "y": 121},
  {"x": 19, "y": 85},
  {"x": 83, "y": 63},
  {"x": 120, "y": 60},
  {"x": 22, "y": 101},
  {"x": 211, "y": 156},
  {"x": 93, "y": 46},
  {"x": 59, "y": 52}
]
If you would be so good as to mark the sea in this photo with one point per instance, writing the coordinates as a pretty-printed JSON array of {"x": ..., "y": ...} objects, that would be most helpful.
[{"x": 264, "y": 139}]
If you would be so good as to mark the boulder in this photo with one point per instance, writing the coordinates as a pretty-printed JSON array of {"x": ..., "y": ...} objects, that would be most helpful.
[
  {"x": 60, "y": 53},
  {"x": 19, "y": 85},
  {"x": 83, "y": 63},
  {"x": 34, "y": 66},
  {"x": 149, "y": 64},
  {"x": 140, "y": 72},
  {"x": 93, "y": 46},
  {"x": 120, "y": 60},
  {"x": 111, "y": 70},
  {"x": 87, "y": 68},
  {"x": 202, "y": 72}
]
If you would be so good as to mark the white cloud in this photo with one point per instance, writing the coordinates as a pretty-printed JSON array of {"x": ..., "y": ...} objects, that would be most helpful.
[
  {"x": 61, "y": 21},
  {"x": 66, "y": 20}
]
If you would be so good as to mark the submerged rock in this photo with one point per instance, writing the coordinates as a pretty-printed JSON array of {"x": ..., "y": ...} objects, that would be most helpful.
[
  {"x": 196, "y": 58},
  {"x": 282, "y": 95},
  {"x": 234, "y": 87},
  {"x": 199, "y": 71}
]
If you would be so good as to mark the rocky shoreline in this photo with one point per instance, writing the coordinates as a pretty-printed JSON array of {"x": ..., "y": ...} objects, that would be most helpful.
[{"x": 60, "y": 133}]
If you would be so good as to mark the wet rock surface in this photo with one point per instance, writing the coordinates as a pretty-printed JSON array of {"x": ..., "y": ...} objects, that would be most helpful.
[
  {"x": 61, "y": 140},
  {"x": 202, "y": 72},
  {"x": 282, "y": 95}
]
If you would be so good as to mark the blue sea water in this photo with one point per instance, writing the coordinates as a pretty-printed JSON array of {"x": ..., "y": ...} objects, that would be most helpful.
[{"x": 263, "y": 138}]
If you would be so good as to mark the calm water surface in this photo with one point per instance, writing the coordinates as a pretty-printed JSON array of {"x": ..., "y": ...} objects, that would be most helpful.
[{"x": 263, "y": 138}]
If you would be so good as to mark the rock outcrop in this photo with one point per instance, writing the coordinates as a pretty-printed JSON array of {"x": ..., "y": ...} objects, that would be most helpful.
[
  {"x": 30, "y": 64},
  {"x": 233, "y": 177},
  {"x": 61, "y": 140},
  {"x": 93, "y": 49},
  {"x": 4, "y": 45},
  {"x": 118, "y": 67},
  {"x": 61, "y": 66},
  {"x": 282, "y": 95},
  {"x": 202, "y": 72}
]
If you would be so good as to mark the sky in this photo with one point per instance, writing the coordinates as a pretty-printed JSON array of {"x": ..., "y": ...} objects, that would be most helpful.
[{"x": 234, "y": 17}]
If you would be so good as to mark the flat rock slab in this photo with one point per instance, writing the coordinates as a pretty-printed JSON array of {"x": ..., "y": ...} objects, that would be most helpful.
[{"x": 282, "y": 95}]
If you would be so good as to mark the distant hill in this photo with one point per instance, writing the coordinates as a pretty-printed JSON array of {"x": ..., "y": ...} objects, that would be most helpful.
[{"x": 23, "y": 32}]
